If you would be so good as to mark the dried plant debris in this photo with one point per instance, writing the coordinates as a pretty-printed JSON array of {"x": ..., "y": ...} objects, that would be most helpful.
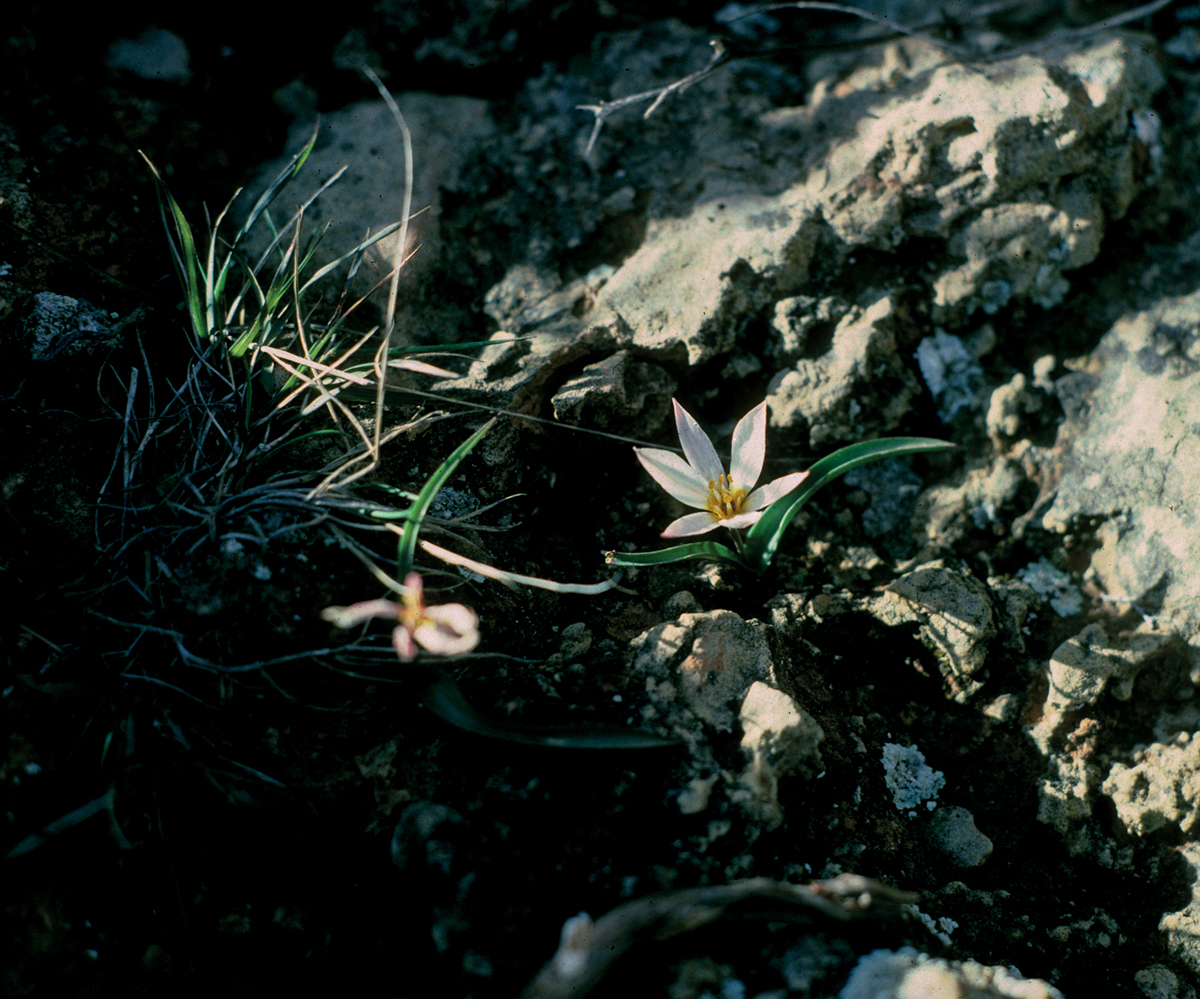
[{"x": 590, "y": 946}]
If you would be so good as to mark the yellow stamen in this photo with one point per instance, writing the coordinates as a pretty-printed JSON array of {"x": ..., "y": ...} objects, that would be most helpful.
[{"x": 723, "y": 500}]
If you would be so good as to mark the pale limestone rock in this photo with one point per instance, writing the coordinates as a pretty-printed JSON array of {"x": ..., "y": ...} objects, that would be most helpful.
[
  {"x": 820, "y": 391},
  {"x": 702, "y": 666},
  {"x": 908, "y": 974},
  {"x": 780, "y": 738},
  {"x": 1065, "y": 794},
  {"x": 706, "y": 672},
  {"x": 1161, "y": 788},
  {"x": 365, "y": 138}
]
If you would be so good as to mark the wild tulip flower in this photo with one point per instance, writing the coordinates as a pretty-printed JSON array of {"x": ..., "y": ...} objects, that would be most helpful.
[
  {"x": 444, "y": 629},
  {"x": 702, "y": 482}
]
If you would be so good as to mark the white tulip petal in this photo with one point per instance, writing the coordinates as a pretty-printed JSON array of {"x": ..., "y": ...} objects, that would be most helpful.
[
  {"x": 675, "y": 475},
  {"x": 747, "y": 519},
  {"x": 692, "y": 523},
  {"x": 404, "y": 645},
  {"x": 348, "y": 617},
  {"x": 701, "y": 455},
  {"x": 448, "y": 630},
  {"x": 764, "y": 496},
  {"x": 749, "y": 447}
]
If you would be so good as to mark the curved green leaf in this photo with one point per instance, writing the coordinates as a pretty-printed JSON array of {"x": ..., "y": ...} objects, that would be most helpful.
[
  {"x": 416, "y": 513},
  {"x": 763, "y": 538},
  {"x": 680, "y": 553}
]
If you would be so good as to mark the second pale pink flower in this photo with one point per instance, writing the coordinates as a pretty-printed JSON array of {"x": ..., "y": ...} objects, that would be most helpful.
[{"x": 443, "y": 629}]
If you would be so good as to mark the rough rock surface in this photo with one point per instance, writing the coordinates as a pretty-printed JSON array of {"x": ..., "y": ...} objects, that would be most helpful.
[
  {"x": 989, "y": 160},
  {"x": 863, "y": 350},
  {"x": 1078, "y": 675},
  {"x": 1131, "y": 454},
  {"x": 1089, "y": 663},
  {"x": 1083, "y": 667},
  {"x": 1161, "y": 787},
  {"x": 956, "y": 618},
  {"x": 704, "y": 673},
  {"x": 702, "y": 666},
  {"x": 946, "y": 153},
  {"x": 611, "y": 394}
]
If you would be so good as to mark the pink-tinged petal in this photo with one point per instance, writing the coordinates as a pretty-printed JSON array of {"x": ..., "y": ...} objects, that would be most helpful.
[
  {"x": 764, "y": 496},
  {"x": 402, "y": 641},
  {"x": 692, "y": 523},
  {"x": 448, "y": 630},
  {"x": 348, "y": 617},
  {"x": 701, "y": 455},
  {"x": 748, "y": 519},
  {"x": 674, "y": 474},
  {"x": 416, "y": 588},
  {"x": 749, "y": 447}
]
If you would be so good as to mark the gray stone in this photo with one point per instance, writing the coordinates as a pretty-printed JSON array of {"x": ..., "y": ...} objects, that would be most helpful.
[
  {"x": 156, "y": 54},
  {"x": 707, "y": 672},
  {"x": 1159, "y": 982},
  {"x": 1014, "y": 600},
  {"x": 953, "y": 831},
  {"x": 1066, "y": 792},
  {"x": 1085, "y": 666},
  {"x": 1090, "y": 662},
  {"x": 1008, "y": 406},
  {"x": 947, "y": 511},
  {"x": 799, "y": 317},
  {"x": 893, "y": 488},
  {"x": 61, "y": 326}
]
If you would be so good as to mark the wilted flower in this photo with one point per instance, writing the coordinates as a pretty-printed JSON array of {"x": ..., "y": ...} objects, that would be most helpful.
[
  {"x": 701, "y": 482},
  {"x": 445, "y": 629}
]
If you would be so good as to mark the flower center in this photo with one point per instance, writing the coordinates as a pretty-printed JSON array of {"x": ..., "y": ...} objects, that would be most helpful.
[
  {"x": 412, "y": 612},
  {"x": 723, "y": 500}
]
